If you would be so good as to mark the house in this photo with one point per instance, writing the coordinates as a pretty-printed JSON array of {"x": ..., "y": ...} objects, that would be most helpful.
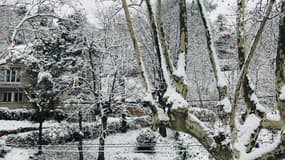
[{"x": 13, "y": 82}]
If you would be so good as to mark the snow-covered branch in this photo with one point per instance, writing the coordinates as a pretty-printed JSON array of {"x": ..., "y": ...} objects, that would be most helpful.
[
  {"x": 244, "y": 69},
  {"x": 219, "y": 76}
]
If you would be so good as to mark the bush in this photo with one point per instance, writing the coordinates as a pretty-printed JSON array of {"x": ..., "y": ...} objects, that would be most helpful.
[
  {"x": 24, "y": 114},
  {"x": 146, "y": 140},
  {"x": 17, "y": 114},
  {"x": 67, "y": 132}
]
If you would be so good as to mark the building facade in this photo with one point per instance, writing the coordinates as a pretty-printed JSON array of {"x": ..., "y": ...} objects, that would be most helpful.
[{"x": 13, "y": 83}]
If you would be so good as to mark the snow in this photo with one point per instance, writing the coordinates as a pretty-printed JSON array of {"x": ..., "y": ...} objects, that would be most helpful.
[
  {"x": 123, "y": 146},
  {"x": 226, "y": 8},
  {"x": 282, "y": 94},
  {"x": 18, "y": 154},
  {"x": 13, "y": 125},
  {"x": 175, "y": 99},
  {"x": 259, "y": 107},
  {"x": 3, "y": 61},
  {"x": 251, "y": 123},
  {"x": 162, "y": 115},
  {"x": 164, "y": 67},
  {"x": 273, "y": 116},
  {"x": 226, "y": 104},
  {"x": 180, "y": 72},
  {"x": 43, "y": 75},
  {"x": 265, "y": 148},
  {"x": 96, "y": 9}
]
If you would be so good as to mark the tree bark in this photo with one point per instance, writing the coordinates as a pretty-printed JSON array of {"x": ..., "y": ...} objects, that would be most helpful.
[
  {"x": 162, "y": 38},
  {"x": 181, "y": 86},
  {"x": 40, "y": 136},
  {"x": 248, "y": 91},
  {"x": 80, "y": 144},
  {"x": 101, "y": 155},
  {"x": 245, "y": 68},
  {"x": 181, "y": 120},
  {"x": 136, "y": 46},
  {"x": 280, "y": 64}
]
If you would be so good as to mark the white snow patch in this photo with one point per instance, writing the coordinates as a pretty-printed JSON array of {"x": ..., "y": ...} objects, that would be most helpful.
[
  {"x": 227, "y": 104},
  {"x": 226, "y": 8},
  {"x": 13, "y": 124},
  {"x": 180, "y": 72},
  {"x": 43, "y": 75},
  {"x": 175, "y": 99},
  {"x": 18, "y": 154},
  {"x": 162, "y": 115},
  {"x": 251, "y": 123},
  {"x": 97, "y": 10},
  {"x": 265, "y": 148},
  {"x": 273, "y": 116},
  {"x": 259, "y": 107}
]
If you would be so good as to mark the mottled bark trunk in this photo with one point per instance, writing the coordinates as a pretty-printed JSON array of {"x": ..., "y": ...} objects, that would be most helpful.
[
  {"x": 156, "y": 41},
  {"x": 279, "y": 151},
  {"x": 244, "y": 70},
  {"x": 247, "y": 88},
  {"x": 163, "y": 85},
  {"x": 162, "y": 38},
  {"x": 181, "y": 120},
  {"x": 222, "y": 88},
  {"x": 181, "y": 86},
  {"x": 136, "y": 46},
  {"x": 280, "y": 64}
]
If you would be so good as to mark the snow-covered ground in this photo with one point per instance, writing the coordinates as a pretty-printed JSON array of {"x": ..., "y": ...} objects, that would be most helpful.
[
  {"x": 123, "y": 146},
  {"x": 13, "y": 125},
  {"x": 118, "y": 147},
  {"x": 19, "y": 154}
]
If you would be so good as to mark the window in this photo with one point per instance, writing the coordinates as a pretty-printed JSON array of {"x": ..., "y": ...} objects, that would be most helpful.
[
  {"x": 10, "y": 75},
  {"x": 7, "y": 97},
  {"x": 2, "y": 74},
  {"x": 18, "y": 97},
  {"x": 13, "y": 76}
]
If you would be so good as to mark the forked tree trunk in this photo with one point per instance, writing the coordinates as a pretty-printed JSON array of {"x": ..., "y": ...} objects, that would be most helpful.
[{"x": 248, "y": 91}]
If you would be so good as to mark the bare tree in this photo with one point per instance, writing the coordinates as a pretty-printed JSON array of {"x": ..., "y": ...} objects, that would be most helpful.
[{"x": 178, "y": 116}]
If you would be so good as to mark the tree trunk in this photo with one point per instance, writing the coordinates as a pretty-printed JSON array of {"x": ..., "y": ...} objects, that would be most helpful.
[
  {"x": 248, "y": 91},
  {"x": 280, "y": 65},
  {"x": 181, "y": 86},
  {"x": 40, "y": 137},
  {"x": 244, "y": 69},
  {"x": 101, "y": 155},
  {"x": 124, "y": 126},
  {"x": 136, "y": 47},
  {"x": 80, "y": 144}
]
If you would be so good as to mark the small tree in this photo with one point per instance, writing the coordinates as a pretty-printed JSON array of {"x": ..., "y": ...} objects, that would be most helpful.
[{"x": 43, "y": 102}]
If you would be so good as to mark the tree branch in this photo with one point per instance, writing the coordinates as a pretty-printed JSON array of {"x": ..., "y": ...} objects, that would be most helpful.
[{"x": 244, "y": 69}]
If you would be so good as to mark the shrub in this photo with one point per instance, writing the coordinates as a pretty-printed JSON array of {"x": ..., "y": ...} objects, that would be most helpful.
[{"x": 146, "y": 141}]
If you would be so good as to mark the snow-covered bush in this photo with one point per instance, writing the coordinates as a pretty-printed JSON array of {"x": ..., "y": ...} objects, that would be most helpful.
[
  {"x": 146, "y": 140},
  {"x": 68, "y": 132},
  {"x": 17, "y": 114},
  {"x": 24, "y": 114}
]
